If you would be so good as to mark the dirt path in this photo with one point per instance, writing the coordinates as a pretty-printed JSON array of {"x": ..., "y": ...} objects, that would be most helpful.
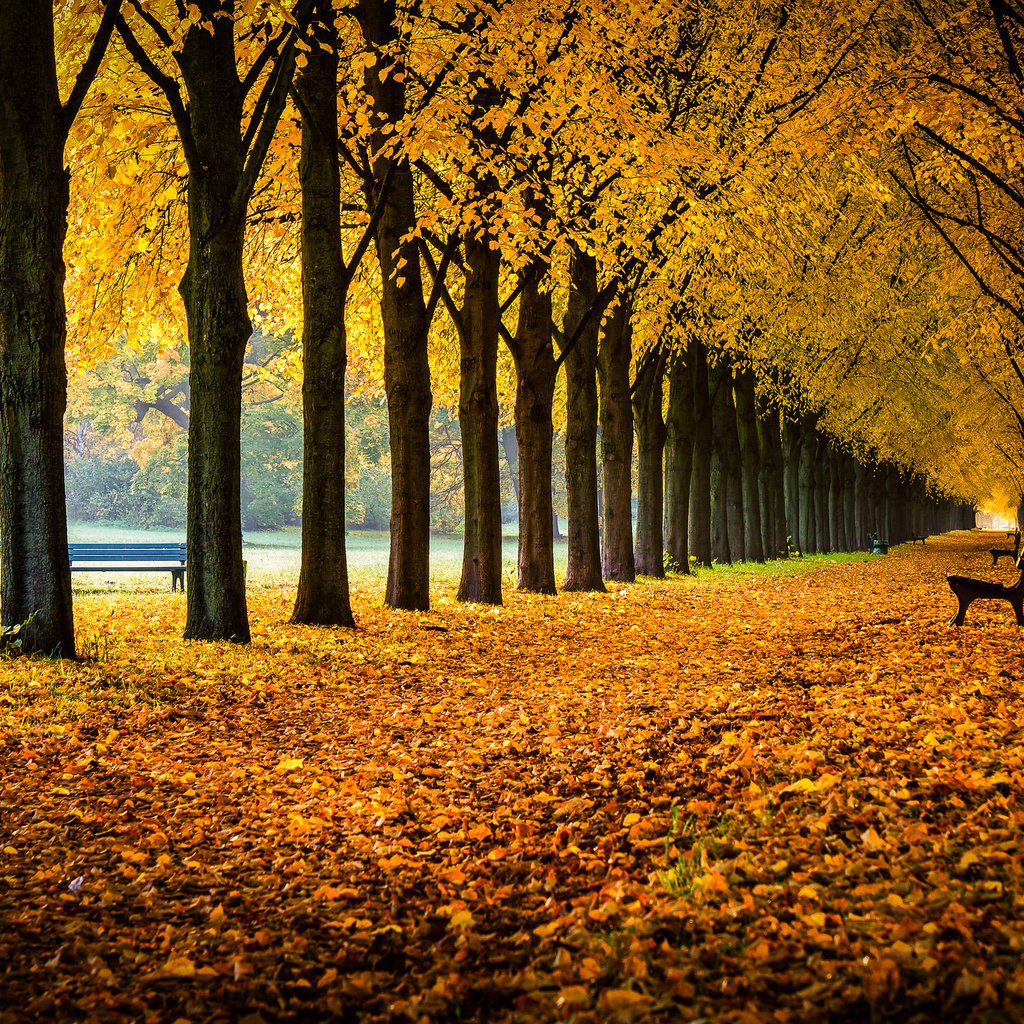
[{"x": 798, "y": 798}]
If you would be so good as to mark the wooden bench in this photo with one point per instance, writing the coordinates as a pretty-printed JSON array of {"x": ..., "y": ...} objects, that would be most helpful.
[
  {"x": 968, "y": 589},
  {"x": 1011, "y": 553},
  {"x": 918, "y": 538},
  {"x": 130, "y": 558},
  {"x": 876, "y": 546}
]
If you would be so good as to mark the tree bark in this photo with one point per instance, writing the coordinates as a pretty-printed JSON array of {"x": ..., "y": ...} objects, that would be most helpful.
[
  {"x": 323, "y": 593},
  {"x": 649, "y": 555},
  {"x": 734, "y": 471},
  {"x": 772, "y": 483},
  {"x": 700, "y": 476},
  {"x": 36, "y": 581},
  {"x": 721, "y": 535},
  {"x": 750, "y": 465},
  {"x": 535, "y": 391},
  {"x": 216, "y": 310},
  {"x": 404, "y": 321},
  {"x": 583, "y": 569},
  {"x": 792, "y": 434},
  {"x": 616, "y": 419},
  {"x": 835, "y": 498},
  {"x": 808, "y": 453},
  {"x": 821, "y": 488},
  {"x": 679, "y": 460},
  {"x": 478, "y": 422}
]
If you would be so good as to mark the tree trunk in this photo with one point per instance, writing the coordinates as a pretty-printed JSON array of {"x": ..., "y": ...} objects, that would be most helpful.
[
  {"x": 583, "y": 570},
  {"x": 833, "y": 481},
  {"x": 323, "y": 595},
  {"x": 404, "y": 321},
  {"x": 616, "y": 418},
  {"x": 700, "y": 476},
  {"x": 792, "y": 434},
  {"x": 808, "y": 453},
  {"x": 734, "y": 472},
  {"x": 750, "y": 465},
  {"x": 821, "y": 489},
  {"x": 535, "y": 392},
  {"x": 679, "y": 460},
  {"x": 718, "y": 384},
  {"x": 771, "y": 482},
  {"x": 861, "y": 527},
  {"x": 216, "y": 310},
  {"x": 649, "y": 557},
  {"x": 478, "y": 422},
  {"x": 36, "y": 580}
]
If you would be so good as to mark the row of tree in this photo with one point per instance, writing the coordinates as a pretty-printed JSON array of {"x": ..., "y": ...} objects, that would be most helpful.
[{"x": 598, "y": 189}]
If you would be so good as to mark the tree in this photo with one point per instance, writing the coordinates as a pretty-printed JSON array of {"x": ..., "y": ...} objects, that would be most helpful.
[
  {"x": 224, "y": 151},
  {"x": 34, "y": 126},
  {"x": 323, "y": 595}
]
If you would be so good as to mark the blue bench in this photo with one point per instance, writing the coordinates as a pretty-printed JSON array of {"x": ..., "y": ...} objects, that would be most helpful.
[{"x": 130, "y": 558}]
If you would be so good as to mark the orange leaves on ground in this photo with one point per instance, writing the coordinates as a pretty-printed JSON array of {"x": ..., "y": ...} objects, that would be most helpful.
[{"x": 797, "y": 796}]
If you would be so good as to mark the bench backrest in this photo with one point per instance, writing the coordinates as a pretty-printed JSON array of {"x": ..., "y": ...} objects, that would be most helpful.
[{"x": 149, "y": 552}]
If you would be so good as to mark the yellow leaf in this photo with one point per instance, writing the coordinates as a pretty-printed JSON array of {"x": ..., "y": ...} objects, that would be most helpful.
[
  {"x": 179, "y": 967},
  {"x": 630, "y": 819},
  {"x": 800, "y": 786},
  {"x": 873, "y": 841},
  {"x": 461, "y": 919},
  {"x": 573, "y": 997},
  {"x": 618, "y": 999},
  {"x": 289, "y": 764}
]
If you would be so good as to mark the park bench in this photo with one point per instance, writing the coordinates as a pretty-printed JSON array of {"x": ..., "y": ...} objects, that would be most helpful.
[
  {"x": 1012, "y": 553},
  {"x": 876, "y": 546},
  {"x": 918, "y": 537},
  {"x": 968, "y": 589},
  {"x": 130, "y": 558}
]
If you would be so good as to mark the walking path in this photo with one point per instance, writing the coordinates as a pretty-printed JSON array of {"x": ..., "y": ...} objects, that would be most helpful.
[{"x": 790, "y": 798}]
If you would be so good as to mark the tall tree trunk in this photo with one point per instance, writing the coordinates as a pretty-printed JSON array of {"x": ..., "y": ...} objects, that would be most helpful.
[
  {"x": 216, "y": 310},
  {"x": 792, "y": 433},
  {"x": 36, "y": 580},
  {"x": 718, "y": 384},
  {"x": 323, "y": 595},
  {"x": 771, "y": 481},
  {"x": 478, "y": 422},
  {"x": 616, "y": 418},
  {"x": 861, "y": 527},
  {"x": 750, "y": 465},
  {"x": 649, "y": 556},
  {"x": 535, "y": 394},
  {"x": 808, "y": 453},
  {"x": 821, "y": 489},
  {"x": 404, "y": 321},
  {"x": 700, "y": 476},
  {"x": 583, "y": 570},
  {"x": 836, "y": 528},
  {"x": 679, "y": 460},
  {"x": 734, "y": 472}
]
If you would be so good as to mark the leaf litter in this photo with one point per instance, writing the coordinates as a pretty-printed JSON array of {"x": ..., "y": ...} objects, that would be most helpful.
[{"x": 775, "y": 798}]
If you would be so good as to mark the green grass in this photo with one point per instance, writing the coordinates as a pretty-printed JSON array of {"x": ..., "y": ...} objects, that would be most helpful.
[
  {"x": 273, "y": 557},
  {"x": 743, "y": 572}
]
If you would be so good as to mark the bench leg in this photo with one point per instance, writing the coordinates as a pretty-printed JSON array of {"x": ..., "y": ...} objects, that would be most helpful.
[
  {"x": 1017, "y": 603},
  {"x": 963, "y": 603},
  {"x": 178, "y": 580}
]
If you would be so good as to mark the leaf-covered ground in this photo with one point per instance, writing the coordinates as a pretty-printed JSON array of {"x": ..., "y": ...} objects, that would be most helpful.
[{"x": 781, "y": 797}]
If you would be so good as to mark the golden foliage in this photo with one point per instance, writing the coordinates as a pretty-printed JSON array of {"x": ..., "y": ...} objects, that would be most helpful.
[{"x": 725, "y": 798}]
